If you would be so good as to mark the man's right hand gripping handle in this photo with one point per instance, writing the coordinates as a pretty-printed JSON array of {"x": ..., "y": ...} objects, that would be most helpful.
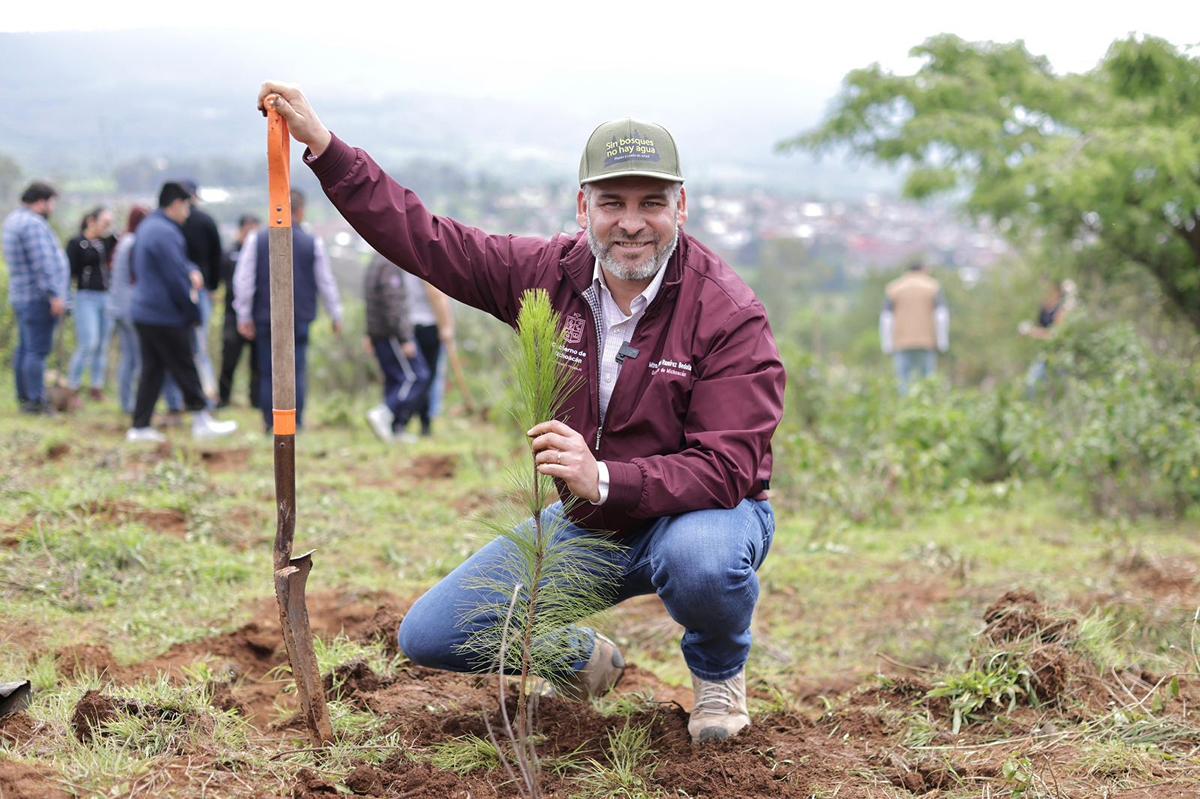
[{"x": 294, "y": 107}]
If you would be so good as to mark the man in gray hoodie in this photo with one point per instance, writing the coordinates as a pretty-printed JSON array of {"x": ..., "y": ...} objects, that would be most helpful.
[{"x": 406, "y": 376}]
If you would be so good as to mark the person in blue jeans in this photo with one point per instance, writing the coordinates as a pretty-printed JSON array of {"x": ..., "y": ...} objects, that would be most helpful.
[
  {"x": 311, "y": 278},
  {"x": 702, "y": 564},
  {"x": 392, "y": 339},
  {"x": 38, "y": 282},
  {"x": 90, "y": 257},
  {"x": 665, "y": 443}
]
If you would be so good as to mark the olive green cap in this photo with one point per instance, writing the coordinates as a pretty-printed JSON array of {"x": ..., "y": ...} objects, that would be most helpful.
[{"x": 626, "y": 147}]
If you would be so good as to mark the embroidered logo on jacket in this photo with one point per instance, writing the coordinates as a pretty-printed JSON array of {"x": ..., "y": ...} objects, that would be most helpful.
[{"x": 575, "y": 325}]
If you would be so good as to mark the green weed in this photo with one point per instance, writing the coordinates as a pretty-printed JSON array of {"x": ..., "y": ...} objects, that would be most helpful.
[
  {"x": 465, "y": 755},
  {"x": 1117, "y": 760},
  {"x": 1001, "y": 683},
  {"x": 626, "y": 771}
]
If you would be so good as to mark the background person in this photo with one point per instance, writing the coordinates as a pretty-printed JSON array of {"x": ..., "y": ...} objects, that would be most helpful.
[
  {"x": 311, "y": 278},
  {"x": 1057, "y": 303},
  {"x": 914, "y": 325},
  {"x": 433, "y": 329},
  {"x": 120, "y": 310},
  {"x": 406, "y": 375},
  {"x": 204, "y": 250},
  {"x": 165, "y": 310},
  {"x": 38, "y": 283},
  {"x": 233, "y": 342},
  {"x": 90, "y": 256}
]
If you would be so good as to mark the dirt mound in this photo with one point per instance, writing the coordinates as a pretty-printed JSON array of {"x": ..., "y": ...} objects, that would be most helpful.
[
  {"x": 244, "y": 661},
  {"x": 167, "y": 521},
  {"x": 1052, "y": 668},
  {"x": 352, "y": 682},
  {"x": 221, "y": 697},
  {"x": 20, "y": 781},
  {"x": 782, "y": 755},
  {"x": 11, "y": 533},
  {"x": 1020, "y": 615},
  {"x": 225, "y": 460},
  {"x": 17, "y": 729},
  {"x": 309, "y": 785},
  {"x": 96, "y": 708},
  {"x": 433, "y": 467},
  {"x": 83, "y": 658},
  {"x": 1159, "y": 576}
]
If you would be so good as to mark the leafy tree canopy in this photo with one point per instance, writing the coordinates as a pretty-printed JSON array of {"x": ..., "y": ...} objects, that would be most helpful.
[{"x": 1108, "y": 159}]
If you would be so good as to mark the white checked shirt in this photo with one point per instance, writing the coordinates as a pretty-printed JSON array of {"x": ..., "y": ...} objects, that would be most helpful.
[{"x": 615, "y": 329}]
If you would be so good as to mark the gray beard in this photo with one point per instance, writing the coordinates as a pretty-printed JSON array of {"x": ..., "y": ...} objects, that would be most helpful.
[{"x": 638, "y": 272}]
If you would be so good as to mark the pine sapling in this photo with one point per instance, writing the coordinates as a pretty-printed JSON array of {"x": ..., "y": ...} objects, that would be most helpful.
[{"x": 550, "y": 580}]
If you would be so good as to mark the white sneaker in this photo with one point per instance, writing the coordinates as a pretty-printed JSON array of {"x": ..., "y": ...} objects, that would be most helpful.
[
  {"x": 145, "y": 434},
  {"x": 720, "y": 711},
  {"x": 204, "y": 426},
  {"x": 380, "y": 420}
]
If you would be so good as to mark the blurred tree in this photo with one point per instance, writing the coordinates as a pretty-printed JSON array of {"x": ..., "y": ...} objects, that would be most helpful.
[
  {"x": 1108, "y": 159},
  {"x": 10, "y": 179}
]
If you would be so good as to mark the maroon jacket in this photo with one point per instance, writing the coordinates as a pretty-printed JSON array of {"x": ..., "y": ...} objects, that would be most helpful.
[{"x": 690, "y": 421}]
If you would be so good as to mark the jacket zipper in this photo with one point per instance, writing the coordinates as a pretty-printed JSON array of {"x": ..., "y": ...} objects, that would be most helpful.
[{"x": 590, "y": 297}]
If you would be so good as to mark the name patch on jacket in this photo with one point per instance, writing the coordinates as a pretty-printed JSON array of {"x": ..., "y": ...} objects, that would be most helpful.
[
  {"x": 677, "y": 368},
  {"x": 571, "y": 357}
]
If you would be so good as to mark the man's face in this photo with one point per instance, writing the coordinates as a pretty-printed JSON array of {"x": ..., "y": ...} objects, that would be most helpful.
[
  {"x": 633, "y": 224},
  {"x": 44, "y": 208},
  {"x": 178, "y": 211}
]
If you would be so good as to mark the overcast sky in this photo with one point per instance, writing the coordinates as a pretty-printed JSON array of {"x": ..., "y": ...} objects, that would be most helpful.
[
  {"x": 738, "y": 75},
  {"x": 529, "y": 48}
]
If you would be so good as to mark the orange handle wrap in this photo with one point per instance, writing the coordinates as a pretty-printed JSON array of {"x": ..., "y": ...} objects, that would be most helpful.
[
  {"x": 285, "y": 422},
  {"x": 279, "y": 162}
]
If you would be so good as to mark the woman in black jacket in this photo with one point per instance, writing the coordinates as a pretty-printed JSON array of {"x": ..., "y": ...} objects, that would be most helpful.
[{"x": 90, "y": 257}]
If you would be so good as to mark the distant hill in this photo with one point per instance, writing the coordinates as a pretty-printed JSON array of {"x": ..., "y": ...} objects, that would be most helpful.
[{"x": 81, "y": 104}]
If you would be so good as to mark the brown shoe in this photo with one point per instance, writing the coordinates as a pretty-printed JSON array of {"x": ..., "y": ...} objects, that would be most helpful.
[
  {"x": 96, "y": 394},
  {"x": 603, "y": 671},
  {"x": 720, "y": 711}
]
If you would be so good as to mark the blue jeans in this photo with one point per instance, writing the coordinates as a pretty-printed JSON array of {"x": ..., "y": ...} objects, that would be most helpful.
[
  {"x": 93, "y": 330},
  {"x": 263, "y": 353},
  {"x": 701, "y": 564},
  {"x": 405, "y": 380},
  {"x": 910, "y": 364},
  {"x": 204, "y": 365},
  {"x": 35, "y": 337},
  {"x": 130, "y": 364},
  {"x": 131, "y": 367}
]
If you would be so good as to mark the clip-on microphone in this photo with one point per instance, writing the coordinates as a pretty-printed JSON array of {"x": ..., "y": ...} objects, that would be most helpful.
[{"x": 627, "y": 351}]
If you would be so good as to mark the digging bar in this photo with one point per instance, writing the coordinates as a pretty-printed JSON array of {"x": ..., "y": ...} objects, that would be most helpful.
[{"x": 291, "y": 574}]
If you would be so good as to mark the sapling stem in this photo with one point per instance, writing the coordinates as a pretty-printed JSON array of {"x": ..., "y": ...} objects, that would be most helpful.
[
  {"x": 503, "y": 700},
  {"x": 548, "y": 581}
]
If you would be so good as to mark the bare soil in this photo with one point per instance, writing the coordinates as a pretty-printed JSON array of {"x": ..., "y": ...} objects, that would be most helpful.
[
  {"x": 166, "y": 521},
  {"x": 854, "y": 748},
  {"x": 225, "y": 460}
]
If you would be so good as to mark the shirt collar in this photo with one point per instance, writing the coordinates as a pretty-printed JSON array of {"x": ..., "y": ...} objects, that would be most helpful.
[{"x": 648, "y": 294}]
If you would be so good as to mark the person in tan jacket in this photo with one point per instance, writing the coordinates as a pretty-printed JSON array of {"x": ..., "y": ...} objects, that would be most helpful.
[{"x": 914, "y": 325}]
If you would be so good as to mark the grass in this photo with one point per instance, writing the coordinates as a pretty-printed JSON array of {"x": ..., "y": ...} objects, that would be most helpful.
[
  {"x": 627, "y": 768},
  {"x": 464, "y": 755},
  {"x": 85, "y": 559}
]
